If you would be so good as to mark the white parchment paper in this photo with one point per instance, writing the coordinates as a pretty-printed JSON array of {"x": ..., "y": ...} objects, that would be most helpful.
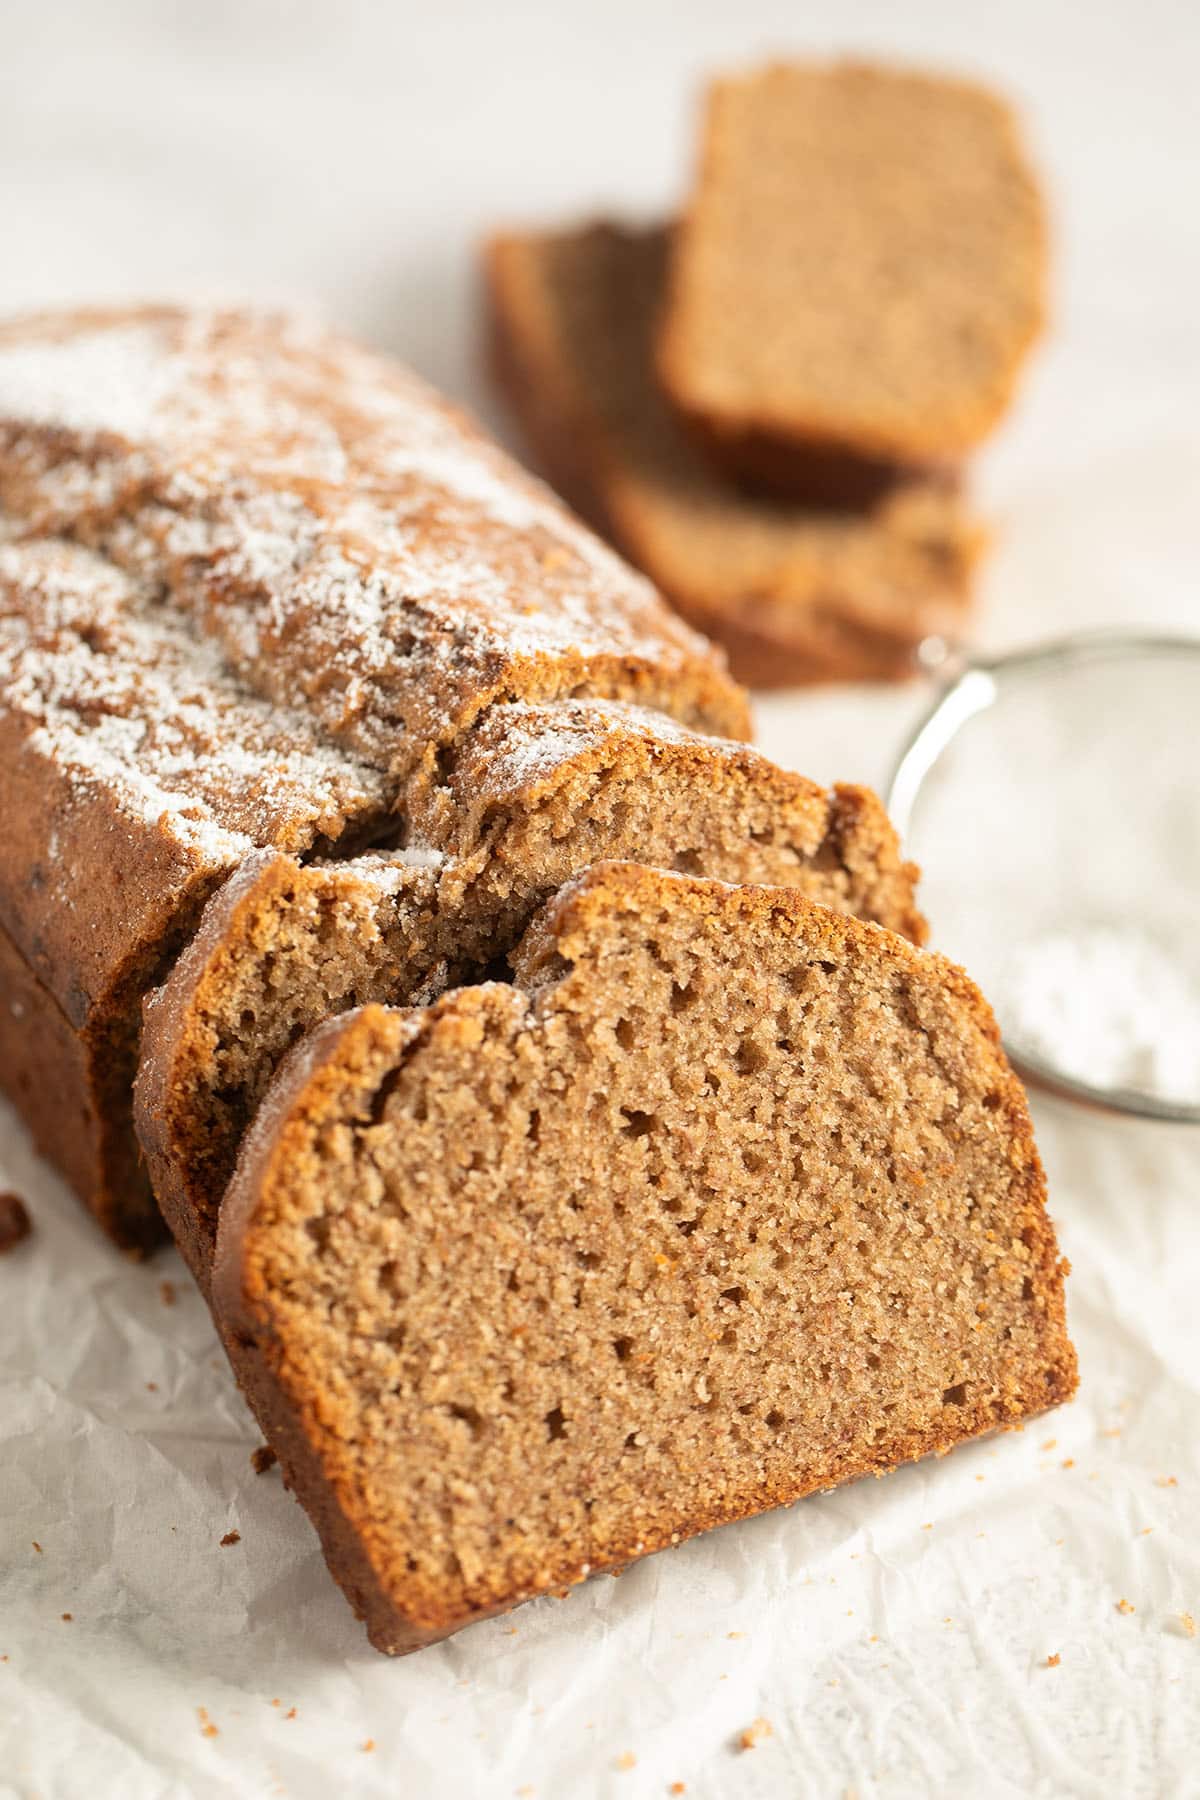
[{"x": 896, "y": 1634}]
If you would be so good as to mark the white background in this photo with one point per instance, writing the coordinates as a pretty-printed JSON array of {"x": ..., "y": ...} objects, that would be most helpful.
[{"x": 894, "y": 1634}]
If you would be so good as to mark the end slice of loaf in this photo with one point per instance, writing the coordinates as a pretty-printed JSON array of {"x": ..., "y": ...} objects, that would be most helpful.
[
  {"x": 533, "y": 796},
  {"x": 860, "y": 272},
  {"x": 795, "y": 593},
  {"x": 728, "y": 1198}
]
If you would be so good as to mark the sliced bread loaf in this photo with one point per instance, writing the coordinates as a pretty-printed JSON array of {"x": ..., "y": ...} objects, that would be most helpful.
[
  {"x": 533, "y": 796},
  {"x": 728, "y": 1198}
]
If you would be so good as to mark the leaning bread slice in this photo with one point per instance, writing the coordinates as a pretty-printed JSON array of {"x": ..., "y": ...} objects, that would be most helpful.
[
  {"x": 859, "y": 274},
  {"x": 727, "y": 1198},
  {"x": 795, "y": 592},
  {"x": 533, "y": 795}
]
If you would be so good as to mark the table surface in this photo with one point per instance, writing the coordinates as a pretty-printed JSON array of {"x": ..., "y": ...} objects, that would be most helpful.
[{"x": 894, "y": 1634}]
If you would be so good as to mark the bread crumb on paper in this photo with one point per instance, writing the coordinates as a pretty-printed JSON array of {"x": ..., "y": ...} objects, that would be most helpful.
[
  {"x": 207, "y": 1728},
  {"x": 367, "y": 1745},
  {"x": 1187, "y": 1625},
  {"x": 677, "y": 1787},
  {"x": 627, "y": 1760},
  {"x": 36, "y": 1546},
  {"x": 15, "y": 1224},
  {"x": 231, "y": 1537},
  {"x": 166, "y": 1292},
  {"x": 757, "y": 1732},
  {"x": 1166, "y": 1481},
  {"x": 1123, "y": 1606},
  {"x": 290, "y": 1713},
  {"x": 67, "y": 1617},
  {"x": 262, "y": 1459},
  {"x": 1052, "y": 1662}
]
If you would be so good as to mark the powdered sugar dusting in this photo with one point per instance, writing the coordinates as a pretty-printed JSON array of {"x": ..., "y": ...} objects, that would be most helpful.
[
  {"x": 529, "y": 743},
  {"x": 120, "y": 691},
  {"x": 1108, "y": 1006},
  {"x": 99, "y": 382},
  {"x": 342, "y": 535}
]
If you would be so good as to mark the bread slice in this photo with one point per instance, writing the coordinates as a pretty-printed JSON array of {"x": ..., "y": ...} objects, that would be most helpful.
[
  {"x": 795, "y": 593},
  {"x": 726, "y": 1199},
  {"x": 533, "y": 796},
  {"x": 859, "y": 274}
]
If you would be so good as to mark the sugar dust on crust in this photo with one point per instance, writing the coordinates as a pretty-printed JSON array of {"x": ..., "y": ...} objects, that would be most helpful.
[{"x": 317, "y": 509}]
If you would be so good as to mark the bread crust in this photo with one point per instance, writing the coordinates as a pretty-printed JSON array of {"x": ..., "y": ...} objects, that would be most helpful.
[{"x": 71, "y": 1087}]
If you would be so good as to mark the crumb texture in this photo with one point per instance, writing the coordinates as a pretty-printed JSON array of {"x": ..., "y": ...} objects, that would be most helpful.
[
  {"x": 533, "y": 796},
  {"x": 728, "y": 1198}
]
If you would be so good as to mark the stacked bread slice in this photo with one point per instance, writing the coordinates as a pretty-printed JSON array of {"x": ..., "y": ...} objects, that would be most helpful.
[
  {"x": 546, "y": 1090},
  {"x": 767, "y": 406}
]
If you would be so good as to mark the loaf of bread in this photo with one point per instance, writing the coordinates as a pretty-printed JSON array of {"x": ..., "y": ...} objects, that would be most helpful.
[
  {"x": 254, "y": 583},
  {"x": 535, "y": 795},
  {"x": 342, "y": 534},
  {"x": 725, "y": 1199},
  {"x": 795, "y": 592},
  {"x": 670, "y": 1201},
  {"x": 858, "y": 276}
]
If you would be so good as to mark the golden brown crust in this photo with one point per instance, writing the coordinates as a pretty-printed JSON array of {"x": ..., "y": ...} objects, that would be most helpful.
[
  {"x": 827, "y": 179},
  {"x": 335, "y": 526},
  {"x": 169, "y": 1037},
  {"x": 796, "y": 594},
  {"x": 337, "y": 1082},
  {"x": 72, "y": 1089}
]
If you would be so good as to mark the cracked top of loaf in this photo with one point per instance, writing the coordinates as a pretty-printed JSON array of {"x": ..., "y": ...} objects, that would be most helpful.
[{"x": 349, "y": 539}]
